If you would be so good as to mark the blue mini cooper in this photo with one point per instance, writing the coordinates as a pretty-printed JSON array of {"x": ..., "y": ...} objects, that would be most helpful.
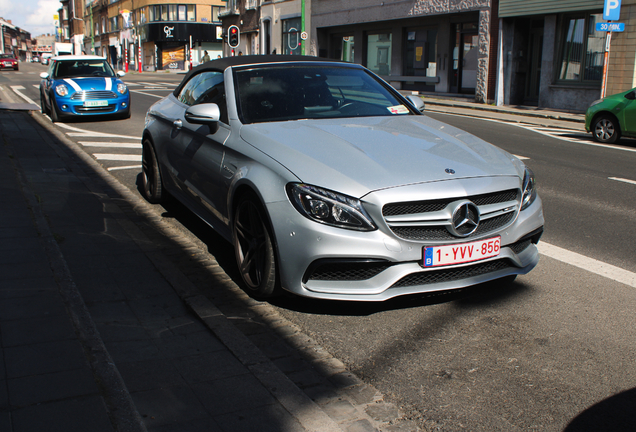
[{"x": 78, "y": 86}]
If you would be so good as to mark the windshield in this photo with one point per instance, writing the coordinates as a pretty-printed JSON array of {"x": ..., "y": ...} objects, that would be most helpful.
[
  {"x": 82, "y": 68},
  {"x": 278, "y": 93},
  {"x": 6, "y": 56}
]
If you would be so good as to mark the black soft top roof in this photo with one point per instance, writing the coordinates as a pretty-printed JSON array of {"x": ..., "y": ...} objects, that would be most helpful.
[{"x": 226, "y": 62}]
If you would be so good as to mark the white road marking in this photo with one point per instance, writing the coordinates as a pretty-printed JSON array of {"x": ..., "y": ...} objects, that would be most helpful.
[
  {"x": 521, "y": 157},
  {"x": 110, "y": 144},
  {"x": 147, "y": 94},
  {"x": 26, "y": 98},
  {"x": 77, "y": 132},
  {"x": 537, "y": 129},
  {"x": 154, "y": 84},
  {"x": 117, "y": 157},
  {"x": 123, "y": 167},
  {"x": 597, "y": 267},
  {"x": 623, "y": 180}
]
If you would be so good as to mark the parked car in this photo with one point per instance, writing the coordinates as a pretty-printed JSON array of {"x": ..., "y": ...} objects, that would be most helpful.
[
  {"x": 78, "y": 86},
  {"x": 612, "y": 117},
  {"x": 35, "y": 59},
  {"x": 8, "y": 61},
  {"x": 332, "y": 185},
  {"x": 46, "y": 58}
]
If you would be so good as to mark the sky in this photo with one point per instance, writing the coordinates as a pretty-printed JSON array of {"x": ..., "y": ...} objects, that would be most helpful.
[{"x": 34, "y": 16}]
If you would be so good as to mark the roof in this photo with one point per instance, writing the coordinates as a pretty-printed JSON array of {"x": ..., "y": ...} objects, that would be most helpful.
[
  {"x": 78, "y": 57},
  {"x": 246, "y": 60}
]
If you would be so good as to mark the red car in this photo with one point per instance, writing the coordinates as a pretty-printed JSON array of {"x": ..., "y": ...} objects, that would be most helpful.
[{"x": 8, "y": 61}]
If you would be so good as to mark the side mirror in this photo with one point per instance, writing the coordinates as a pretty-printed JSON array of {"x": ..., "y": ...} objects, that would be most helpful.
[
  {"x": 417, "y": 102},
  {"x": 204, "y": 114},
  {"x": 631, "y": 95},
  {"x": 44, "y": 75},
  {"x": 121, "y": 74}
]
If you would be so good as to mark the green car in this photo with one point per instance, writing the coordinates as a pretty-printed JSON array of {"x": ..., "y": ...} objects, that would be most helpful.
[{"x": 612, "y": 117}]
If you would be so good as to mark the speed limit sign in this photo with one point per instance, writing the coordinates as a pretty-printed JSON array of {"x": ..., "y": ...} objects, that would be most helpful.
[{"x": 304, "y": 36}]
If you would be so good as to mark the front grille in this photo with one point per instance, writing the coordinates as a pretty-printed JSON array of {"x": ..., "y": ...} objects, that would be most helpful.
[
  {"x": 520, "y": 246},
  {"x": 93, "y": 94},
  {"x": 346, "y": 271},
  {"x": 451, "y": 274},
  {"x": 414, "y": 230}
]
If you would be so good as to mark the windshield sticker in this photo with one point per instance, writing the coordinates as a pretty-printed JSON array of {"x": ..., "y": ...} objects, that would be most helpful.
[{"x": 398, "y": 109}]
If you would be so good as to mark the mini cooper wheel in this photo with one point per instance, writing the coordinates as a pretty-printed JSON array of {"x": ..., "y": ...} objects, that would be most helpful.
[
  {"x": 151, "y": 184},
  {"x": 253, "y": 247},
  {"x": 606, "y": 129},
  {"x": 43, "y": 107},
  {"x": 55, "y": 116}
]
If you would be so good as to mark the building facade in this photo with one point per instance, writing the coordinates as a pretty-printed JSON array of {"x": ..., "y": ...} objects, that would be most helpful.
[
  {"x": 150, "y": 35},
  {"x": 14, "y": 40},
  {"x": 426, "y": 45},
  {"x": 552, "y": 56}
]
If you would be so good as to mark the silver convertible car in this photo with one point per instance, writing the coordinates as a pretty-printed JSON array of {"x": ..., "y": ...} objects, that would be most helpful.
[{"x": 332, "y": 185}]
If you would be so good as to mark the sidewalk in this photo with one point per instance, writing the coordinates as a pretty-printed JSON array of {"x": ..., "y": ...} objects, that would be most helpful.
[
  {"x": 528, "y": 115},
  {"x": 100, "y": 331}
]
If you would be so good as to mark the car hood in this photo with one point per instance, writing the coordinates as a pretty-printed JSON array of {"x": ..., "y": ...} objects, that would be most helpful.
[
  {"x": 89, "y": 83},
  {"x": 357, "y": 156}
]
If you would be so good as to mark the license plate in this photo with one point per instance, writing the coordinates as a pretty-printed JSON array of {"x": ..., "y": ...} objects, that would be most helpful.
[
  {"x": 461, "y": 253},
  {"x": 95, "y": 103}
]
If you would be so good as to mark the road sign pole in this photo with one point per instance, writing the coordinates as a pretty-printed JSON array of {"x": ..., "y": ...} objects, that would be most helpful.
[
  {"x": 608, "y": 42},
  {"x": 302, "y": 26}
]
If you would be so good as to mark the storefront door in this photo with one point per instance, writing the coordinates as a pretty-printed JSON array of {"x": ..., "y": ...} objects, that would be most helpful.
[{"x": 465, "y": 59}]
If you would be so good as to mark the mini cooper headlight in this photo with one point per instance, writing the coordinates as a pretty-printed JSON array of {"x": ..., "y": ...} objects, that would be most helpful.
[
  {"x": 529, "y": 189},
  {"x": 61, "y": 90},
  {"x": 121, "y": 88},
  {"x": 330, "y": 208}
]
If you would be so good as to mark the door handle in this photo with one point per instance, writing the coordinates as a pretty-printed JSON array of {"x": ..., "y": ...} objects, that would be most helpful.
[{"x": 178, "y": 124}]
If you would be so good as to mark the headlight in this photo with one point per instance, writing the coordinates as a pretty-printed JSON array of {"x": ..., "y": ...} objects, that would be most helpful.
[
  {"x": 529, "y": 189},
  {"x": 330, "y": 208},
  {"x": 61, "y": 90},
  {"x": 121, "y": 88}
]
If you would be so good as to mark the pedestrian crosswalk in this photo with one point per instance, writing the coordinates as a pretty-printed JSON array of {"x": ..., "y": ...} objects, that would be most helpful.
[{"x": 572, "y": 135}]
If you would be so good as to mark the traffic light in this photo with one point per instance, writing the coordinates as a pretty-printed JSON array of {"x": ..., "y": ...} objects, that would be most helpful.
[{"x": 234, "y": 36}]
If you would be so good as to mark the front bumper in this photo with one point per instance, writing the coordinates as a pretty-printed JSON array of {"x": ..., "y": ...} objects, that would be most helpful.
[
  {"x": 325, "y": 262},
  {"x": 70, "y": 107}
]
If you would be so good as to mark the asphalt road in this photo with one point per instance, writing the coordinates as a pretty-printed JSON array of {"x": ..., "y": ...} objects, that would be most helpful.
[{"x": 554, "y": 350}]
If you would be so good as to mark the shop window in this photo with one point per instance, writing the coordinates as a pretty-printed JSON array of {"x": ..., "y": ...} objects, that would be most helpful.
[
  {"x": 582, "y": 50},
  {"x": 172, "y": 12},
  {"x": 215, "y": 13},
  {"x": 181, "y": 13},
  {"x": 291, "y": 36},
  {"x": 379, "y": 53}
]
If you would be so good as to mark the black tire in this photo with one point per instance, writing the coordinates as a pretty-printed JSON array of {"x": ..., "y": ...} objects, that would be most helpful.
[
  {"x": 255, "y": 255},
  {"x": 55, "y": 116},
  {"x": 43, "y": 106},
  {"x": 606, "y": 129},
  {"x": 151, "y": 183}
]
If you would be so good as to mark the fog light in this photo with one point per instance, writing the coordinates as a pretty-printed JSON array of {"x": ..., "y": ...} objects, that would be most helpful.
[
  {"x": 64, "y": 107},
  {"x": 123, "y": 104}
]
